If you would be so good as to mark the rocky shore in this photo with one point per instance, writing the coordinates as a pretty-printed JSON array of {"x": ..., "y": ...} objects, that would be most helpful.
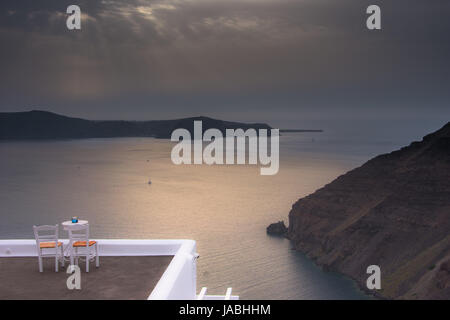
[
  {"x": 277, "y": 229},
  {"x": 394, "y": 212}
]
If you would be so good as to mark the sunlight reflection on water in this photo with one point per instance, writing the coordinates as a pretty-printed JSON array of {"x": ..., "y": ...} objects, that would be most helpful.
[{"x": 224, "y": 208}]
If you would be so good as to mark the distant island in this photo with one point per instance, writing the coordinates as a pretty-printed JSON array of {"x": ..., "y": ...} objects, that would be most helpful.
[
  {"x": 47, "y": 125},
  {"x": 394, "y": 212},
  {"x": 300, "y": 130},
  {"x": 39, "y": 125}
]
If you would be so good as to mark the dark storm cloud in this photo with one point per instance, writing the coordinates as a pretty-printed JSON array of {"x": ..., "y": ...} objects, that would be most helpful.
[{"x": 166, "y": 58}]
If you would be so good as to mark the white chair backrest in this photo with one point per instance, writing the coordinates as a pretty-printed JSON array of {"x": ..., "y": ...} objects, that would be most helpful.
[
  {"x": 46, "y": 233},
  {"x": 79, "y": 233}
]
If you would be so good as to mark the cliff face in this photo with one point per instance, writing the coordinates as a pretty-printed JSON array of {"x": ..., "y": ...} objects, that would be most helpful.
[{"x": 394, "y": 211}]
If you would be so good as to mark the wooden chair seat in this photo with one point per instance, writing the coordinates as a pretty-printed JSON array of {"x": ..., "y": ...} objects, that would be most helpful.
[
  {"x": 48, "y": 245},
  {"x": 83, "y": 243}
]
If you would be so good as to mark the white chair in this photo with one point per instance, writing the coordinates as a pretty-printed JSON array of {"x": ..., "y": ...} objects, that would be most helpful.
[
  {"x": 47, "y": 245},
  {"x": 80, "y": 246}
]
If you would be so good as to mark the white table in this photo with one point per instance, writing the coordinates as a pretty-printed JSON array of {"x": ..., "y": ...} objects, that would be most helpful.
[{"x": 69, "y": 225}]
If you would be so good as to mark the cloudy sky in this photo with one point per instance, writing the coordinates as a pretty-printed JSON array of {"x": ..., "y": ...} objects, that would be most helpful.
[{"x": 285, "y": 62}]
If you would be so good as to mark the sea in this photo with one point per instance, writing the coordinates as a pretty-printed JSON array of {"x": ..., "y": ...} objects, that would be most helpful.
[{"x": 224, "y": 208}]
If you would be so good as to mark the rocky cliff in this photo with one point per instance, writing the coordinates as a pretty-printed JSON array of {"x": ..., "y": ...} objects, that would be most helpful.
[{"x": 394, "y": 212}]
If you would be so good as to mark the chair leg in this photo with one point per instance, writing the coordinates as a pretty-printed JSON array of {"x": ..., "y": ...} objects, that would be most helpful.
[
  {"x": 56, "y": 261},
  {"x": 41, "y": 267},
  {"x": 71, "y": 255},
  {"x": 62, "y": 256},
  {"x": 87, "y": 262},
  {"x": 97, "y": 259}
]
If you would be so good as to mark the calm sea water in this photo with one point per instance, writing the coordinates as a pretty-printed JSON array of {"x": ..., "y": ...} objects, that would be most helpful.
[{"x": 226, "y": 209}]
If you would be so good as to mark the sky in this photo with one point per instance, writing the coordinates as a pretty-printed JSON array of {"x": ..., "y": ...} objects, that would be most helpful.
[{"x": 290, "y": 63}]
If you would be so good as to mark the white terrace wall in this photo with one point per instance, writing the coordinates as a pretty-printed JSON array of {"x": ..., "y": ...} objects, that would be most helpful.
[{"x": 178, "y": 281}]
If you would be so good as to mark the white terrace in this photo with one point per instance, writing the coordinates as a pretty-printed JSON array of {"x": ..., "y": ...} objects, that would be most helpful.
[{"x": 129, "y": 269}]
